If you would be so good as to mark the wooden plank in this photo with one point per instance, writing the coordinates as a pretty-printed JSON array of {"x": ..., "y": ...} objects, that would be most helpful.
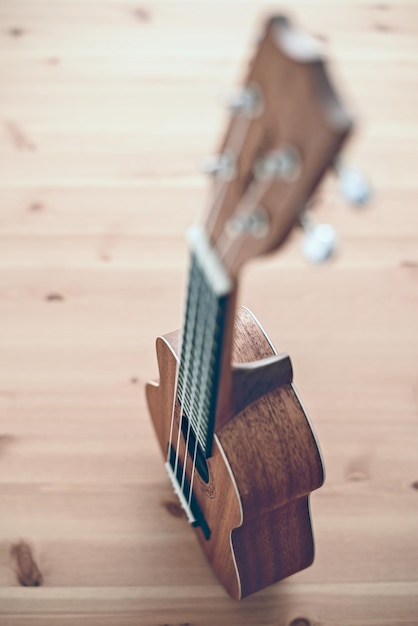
[
  {"x": 324, "y": 604},
  {"x": 132, "y": 212},
  {"x": 106, "y": 111}
]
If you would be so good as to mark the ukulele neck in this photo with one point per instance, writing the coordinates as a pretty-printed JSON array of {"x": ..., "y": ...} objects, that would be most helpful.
[
  {"x": 284, "y": 133},
  {"x": 205, "y": 361}
]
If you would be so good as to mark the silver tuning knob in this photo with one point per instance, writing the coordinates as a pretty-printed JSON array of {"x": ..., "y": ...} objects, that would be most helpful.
[
  {"x": 222, "y": 165},
  {"x": 247, "y": 102},
  {"x": 354, "y": 187},
  {"x": 320, "y": 241}
]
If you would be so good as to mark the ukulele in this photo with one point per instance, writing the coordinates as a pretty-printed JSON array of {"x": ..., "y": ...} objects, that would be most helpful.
[{"x": 237, "y": 444}]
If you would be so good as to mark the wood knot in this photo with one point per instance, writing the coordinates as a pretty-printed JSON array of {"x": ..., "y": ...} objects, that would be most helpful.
[
  {"x": 27, "y": 571},
  {"x": 382, "y": 27},
  {"x": 356, "y": 477},
  {"x": 300, "y": 621},
  {"x": 358, "y": 469},
  {"x": 16, "y": 32},
  {"x": 143, "y": 15},
  {"x": 36, "y": 207},
  {"x": 54, "y": 297},
  {"x": 173, "y": 508},
  {"x": 5, "y": 440},
  {"x": 19, "y": 137}
]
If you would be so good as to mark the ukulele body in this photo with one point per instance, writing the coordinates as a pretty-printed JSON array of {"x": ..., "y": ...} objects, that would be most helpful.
[{"x": 264, "y": 464}]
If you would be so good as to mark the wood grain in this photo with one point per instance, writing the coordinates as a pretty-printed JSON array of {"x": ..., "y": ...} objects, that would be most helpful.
[
  {"x": 106, "y": 109},
  {"x": 253, "y": 521},
  {"x": 298, "y": 116}
]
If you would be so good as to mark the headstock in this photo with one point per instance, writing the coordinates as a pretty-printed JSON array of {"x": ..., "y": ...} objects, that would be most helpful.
[{"x": 286, "y": 129}]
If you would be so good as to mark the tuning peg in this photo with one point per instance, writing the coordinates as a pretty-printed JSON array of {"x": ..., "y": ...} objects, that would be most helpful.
[
  {"x": 222, "y": 165},
  {"x": 248, "y": 101},
  {"x": 354, "y": 187},
  {"x": 284, "y": 164},
  {"x": 320, "y": 240},
  {"x": 255, "y": 223}
]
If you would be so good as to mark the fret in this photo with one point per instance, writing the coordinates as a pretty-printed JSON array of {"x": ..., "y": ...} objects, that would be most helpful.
[{"x": 201, "y": 352}]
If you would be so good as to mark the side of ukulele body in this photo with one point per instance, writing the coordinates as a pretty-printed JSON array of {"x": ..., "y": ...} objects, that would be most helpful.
[{"x": 252, "y": 506}]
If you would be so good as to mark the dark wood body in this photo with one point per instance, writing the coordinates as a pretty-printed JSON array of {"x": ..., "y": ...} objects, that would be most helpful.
[{"x": 264, "y": 464}]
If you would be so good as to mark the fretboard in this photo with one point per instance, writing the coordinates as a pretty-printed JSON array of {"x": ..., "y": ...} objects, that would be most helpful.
[{"x": 201, "y": 353}]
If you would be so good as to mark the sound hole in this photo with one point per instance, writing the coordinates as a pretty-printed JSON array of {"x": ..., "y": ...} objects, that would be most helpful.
[{"x": 188, "y": 435}]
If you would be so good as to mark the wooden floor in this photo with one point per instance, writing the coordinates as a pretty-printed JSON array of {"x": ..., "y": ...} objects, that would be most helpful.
[{"x": 106, "y": 110}]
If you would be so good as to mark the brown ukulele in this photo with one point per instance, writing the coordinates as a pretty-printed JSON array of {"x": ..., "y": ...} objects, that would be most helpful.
[{"x": 238, "y": 446}]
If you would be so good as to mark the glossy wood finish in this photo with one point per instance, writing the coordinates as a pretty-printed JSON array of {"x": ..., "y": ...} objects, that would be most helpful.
[
  {"x": 218, "y": 498},
  {"x": 298, "y": 109},
  {"x": 265, "y": 463},
  {"x": 106, "y": 111}
]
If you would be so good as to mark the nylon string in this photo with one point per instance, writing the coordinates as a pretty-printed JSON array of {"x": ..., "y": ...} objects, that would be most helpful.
[
  {"x": 259, "y": 191},
  {"x": 215, "y": 205}
]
